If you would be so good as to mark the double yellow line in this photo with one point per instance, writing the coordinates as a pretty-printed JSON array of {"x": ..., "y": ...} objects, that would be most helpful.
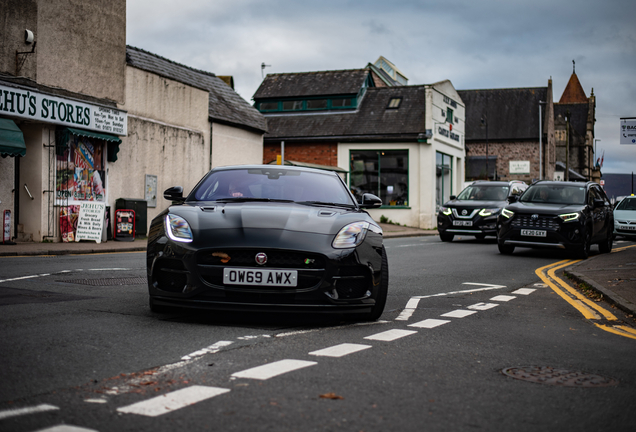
[{"x": 589, "y": 309}]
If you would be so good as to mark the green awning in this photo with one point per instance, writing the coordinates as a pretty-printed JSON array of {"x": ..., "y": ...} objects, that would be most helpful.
[
  {"x": 90, "y": 134},
  {"x": 11, "y": 139}
]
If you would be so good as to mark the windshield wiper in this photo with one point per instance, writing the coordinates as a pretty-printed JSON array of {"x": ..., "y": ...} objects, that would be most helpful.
[{"x": 327, "y": 204}]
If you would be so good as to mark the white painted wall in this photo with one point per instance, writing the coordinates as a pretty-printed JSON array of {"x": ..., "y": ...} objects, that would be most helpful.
[{"x": 234, "y": 146}]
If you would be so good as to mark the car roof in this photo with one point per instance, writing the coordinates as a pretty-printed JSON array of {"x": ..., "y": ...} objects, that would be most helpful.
[{"x": 274, "y": 167}]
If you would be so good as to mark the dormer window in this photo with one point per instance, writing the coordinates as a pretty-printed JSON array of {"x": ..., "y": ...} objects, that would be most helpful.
[{"x": 394, "y": 103}]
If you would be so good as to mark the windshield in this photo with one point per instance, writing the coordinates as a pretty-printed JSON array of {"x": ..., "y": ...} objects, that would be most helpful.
[
  {"x": 484, "y": 193},
  {"x": 554, "y": 194},
  {"x": 273, "y": 184},
  {"x": 627, "y": 204}
]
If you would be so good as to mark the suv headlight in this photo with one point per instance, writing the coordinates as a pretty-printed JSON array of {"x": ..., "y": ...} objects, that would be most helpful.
[
  {"x": 570, "y": 217},
  {"x": 489, "y": 212},
  {"x": 446, "y": 210},
  {"x": 507, "y": 213},
  {"x": 351, "y": 235},
  {"x": 178, "y": 228}
]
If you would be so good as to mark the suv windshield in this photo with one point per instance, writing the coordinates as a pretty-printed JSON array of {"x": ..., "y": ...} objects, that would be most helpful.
[
  {"x": 273, "y": 184},
  {"x": 555, "y": 194},
  {"x": 484, "y": 193},
  {"x": 627, "y": 204}
]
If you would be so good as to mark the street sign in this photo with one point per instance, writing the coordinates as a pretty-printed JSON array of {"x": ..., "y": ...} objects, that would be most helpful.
[{"x": 628, "y": 130}]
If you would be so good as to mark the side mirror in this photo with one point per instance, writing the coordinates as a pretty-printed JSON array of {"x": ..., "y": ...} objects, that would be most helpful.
[
  {"x": 452, "y": 197},
  {"x": 174, "y": 194},
  {"x": 513, "y": 198},
  {"x": 370, "y": 201},
  {"x": 598, "y": 203}
]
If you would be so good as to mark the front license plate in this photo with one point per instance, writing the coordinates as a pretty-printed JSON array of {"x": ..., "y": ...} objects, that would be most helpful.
[
  {"x": 629, "y": 227},
  {"x": 462, "y": 223},
  {"x": 239, "y": 276},
  {"x": 534, "y": 233}
]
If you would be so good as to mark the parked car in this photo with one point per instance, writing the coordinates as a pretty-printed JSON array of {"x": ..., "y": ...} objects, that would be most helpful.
[
  {"x": 474, "y": 211},
  {"x": 558, "y": 215},
  {"x": 268, "y": 238},
  {"x": 625, "y": 218}
]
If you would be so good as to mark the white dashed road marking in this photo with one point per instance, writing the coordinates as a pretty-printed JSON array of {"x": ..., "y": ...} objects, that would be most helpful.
[
  {"x": 172, "y": 401},
  {"x": 391, "y": 335},
  {"x": 429, "y": 323},
  {"x": 66, "y": 428},
  {"x": 482, "y": 306},
  {"x": 28, "y": 410},
  {"x": 271, "y": 370},
  {"x": 212, "y": 349},
  {"x": 503, "y": 298},
  {"x": 458, "y": 313},
  {"x": 340, "y": 350},
  {"x": 523, "y": 291}
]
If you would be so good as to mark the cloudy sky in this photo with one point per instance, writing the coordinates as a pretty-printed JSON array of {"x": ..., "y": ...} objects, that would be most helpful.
[{"x": 475, "y": 44}]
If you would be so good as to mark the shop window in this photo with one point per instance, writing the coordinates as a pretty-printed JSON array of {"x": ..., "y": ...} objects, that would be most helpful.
[
  {"x": 384, "y": 173},
  {"x": 81, "y": 171},
  {"x": 444, "y": 176}
]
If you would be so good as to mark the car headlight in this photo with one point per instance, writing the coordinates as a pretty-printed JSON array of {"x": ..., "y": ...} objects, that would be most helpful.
[
  {"x": 507, "y": 213},
  {"x": 488, "y": 211},
  {"x": 351, "y": 235},
  {"x": 446, "y": 210},
  {"x": 570, "y": 217},
  {"x": 178, "y": 229}
]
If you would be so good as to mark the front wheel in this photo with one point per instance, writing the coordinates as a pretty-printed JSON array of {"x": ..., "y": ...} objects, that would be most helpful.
[
  {"x": 606, "y": 245},
  {"x": 383, "y": 290},
  {"x": 505, "y": 249},
  {"x": 583, "y": 251},
  {"x": 445, "y": 237}
]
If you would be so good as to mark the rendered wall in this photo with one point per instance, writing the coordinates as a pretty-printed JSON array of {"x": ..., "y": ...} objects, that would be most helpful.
[
  {"x": 234, "y": 146},
  {"x": 16, "y": 16}
]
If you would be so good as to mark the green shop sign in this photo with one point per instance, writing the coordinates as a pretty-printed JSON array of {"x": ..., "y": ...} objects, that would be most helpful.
[{"x": 52, "y": 109}]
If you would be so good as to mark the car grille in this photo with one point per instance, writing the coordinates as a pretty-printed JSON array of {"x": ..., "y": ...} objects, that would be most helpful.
[
  {"x": 542, "y": 222},
  {"x": 311, "y": 267}
]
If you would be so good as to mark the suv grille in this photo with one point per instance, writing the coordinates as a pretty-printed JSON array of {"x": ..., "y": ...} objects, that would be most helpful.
[{"x": 542, "y": 222}]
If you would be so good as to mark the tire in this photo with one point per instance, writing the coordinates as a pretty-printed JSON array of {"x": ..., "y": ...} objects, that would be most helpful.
[
  {"x": 445, "y": 237},
  {"x": 606, "y": 245},
  {"x": 505, "y": 249},
  {"x": 583, "y": 251},
  {"x": 383, "y": 290},
  {"x": 480, "y": 236}
]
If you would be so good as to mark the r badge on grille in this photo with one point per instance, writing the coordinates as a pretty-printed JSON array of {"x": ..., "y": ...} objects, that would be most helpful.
[{"x": 261, "y": 258}]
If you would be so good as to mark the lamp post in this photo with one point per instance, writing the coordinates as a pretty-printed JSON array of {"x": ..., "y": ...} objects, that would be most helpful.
[{"x": 540, "y": 142}]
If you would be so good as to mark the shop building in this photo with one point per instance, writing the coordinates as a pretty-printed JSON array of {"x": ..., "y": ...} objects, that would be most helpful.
[
  {"x": 404, "y": 144},
  {"x": 100, "y": 121}
]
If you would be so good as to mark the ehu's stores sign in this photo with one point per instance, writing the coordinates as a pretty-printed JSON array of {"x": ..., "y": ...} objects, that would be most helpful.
[{"x": 52, "y": 109}]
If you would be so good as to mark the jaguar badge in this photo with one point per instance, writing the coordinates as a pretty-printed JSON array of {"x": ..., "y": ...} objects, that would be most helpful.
[{"x": 261, "y": 258}]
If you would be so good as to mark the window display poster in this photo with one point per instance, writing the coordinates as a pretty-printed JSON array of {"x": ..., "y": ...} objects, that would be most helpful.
[
  {"x": 81, "y": 172},
  {"x": 68, "y": 222},
  {"x": 90, "y": 222}
]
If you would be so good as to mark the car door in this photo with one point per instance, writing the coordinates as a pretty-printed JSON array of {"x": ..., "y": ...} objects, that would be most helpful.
[{"x": 599, "y": 212}]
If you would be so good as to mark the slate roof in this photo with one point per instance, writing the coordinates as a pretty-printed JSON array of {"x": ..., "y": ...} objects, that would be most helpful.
[
  {"x": 371, "y": 121},
  {"x": 225, "y": 105},
  {"x": 513, "y": 114},
  {"x": 304, "y": 84}
]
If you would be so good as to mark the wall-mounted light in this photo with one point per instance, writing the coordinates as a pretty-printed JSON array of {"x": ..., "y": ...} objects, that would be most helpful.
[{"x": 28, "y": 37}]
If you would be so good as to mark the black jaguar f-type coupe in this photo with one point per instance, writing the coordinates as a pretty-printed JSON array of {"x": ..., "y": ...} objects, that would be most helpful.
[{"x": 268, "y": 238}]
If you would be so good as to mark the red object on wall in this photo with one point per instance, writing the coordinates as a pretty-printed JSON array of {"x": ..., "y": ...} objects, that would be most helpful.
[{"x": 124, "y": 225}]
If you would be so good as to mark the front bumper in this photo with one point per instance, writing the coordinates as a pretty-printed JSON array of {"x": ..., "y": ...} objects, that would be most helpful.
[
  {"x": 329, "y": 280},
  {"x": 478, "y": 225},
  {"x": 558, "y": 236}
]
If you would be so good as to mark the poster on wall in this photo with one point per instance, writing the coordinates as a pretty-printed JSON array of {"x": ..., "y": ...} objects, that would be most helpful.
[
  {"x": 151, "y": 190},
  {"x": 90, "y": 222},
  {"x": 81, "y": 172}
]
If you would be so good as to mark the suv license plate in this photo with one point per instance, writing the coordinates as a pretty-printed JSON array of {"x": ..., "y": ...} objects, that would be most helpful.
[
  {"x": 629, "y": 227},
  {"x": 243, "y": 276},
  {"x": 462, "y": 223},
  {"x": 534, "y": 233}
]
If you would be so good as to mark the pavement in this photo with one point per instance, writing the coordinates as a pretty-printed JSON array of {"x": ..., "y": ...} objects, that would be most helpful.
[{"x": 613, "y": 275}]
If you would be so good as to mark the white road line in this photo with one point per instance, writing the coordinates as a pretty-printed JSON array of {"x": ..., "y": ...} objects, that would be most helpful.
[
  {"x": 482, "y": 306},
  {"x": 271, "y": 370},
  {"x": 61, "y": 272},
  {"x": 172, "y": 401},
  {"x": 208, "y": 350},
  {"x": 28, "y": 410},
  {"x": 503, "y": 298},
  {"x": 66, "y": 428},
  {"x": 391, "y": 335},
  {"x": 340, "y": 350},
  {"x": 458, "y": 313},
  {"x": 429, "y": 323},
  {"x": 524, "y": 291},
  {"x": 411, "y": 305}
]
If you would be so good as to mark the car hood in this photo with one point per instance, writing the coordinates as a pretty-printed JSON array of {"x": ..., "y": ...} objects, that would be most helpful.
[
  {"x": 544, "y": 208},
  {"x": 475, "y": 204},
  {"x": 625, "y": 215},
  {"x": 268, "y": 216}
]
